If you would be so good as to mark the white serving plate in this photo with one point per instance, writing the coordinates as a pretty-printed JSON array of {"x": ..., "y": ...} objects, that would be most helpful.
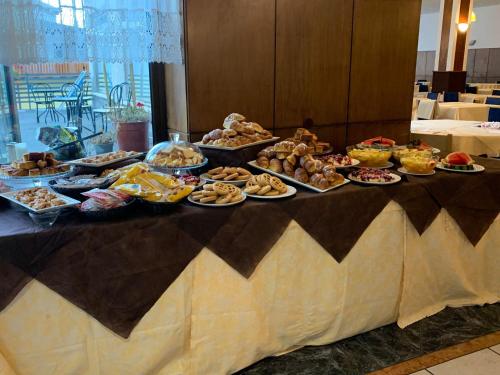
[
  {"x": 81, "y": 163},
  {"x": 389, "y": 164},
  {"x": 395, "y": 180},
  {"x": 290, "y": 191},
  {"x": 354, "y": 162},
  {"x": 405, "y": 171},
  {"x": 477, "y": 168},
  {"x": 69, "y": 201},
  {"x": 190, "y": 199},
  {"x": 232, "y": 182},
  {"x": 217, "y": 147},
  {"x": 291, "y": 179}
]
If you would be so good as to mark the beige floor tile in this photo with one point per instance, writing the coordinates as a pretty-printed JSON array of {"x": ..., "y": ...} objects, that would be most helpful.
[
  {"x": 496, "y": 348},
  {"x": 483, "y": 362},
  {"x": 421, "y": 372}
]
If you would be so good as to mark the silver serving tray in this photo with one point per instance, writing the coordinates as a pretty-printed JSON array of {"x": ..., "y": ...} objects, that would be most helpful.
[{"x": 70, "y": 202}]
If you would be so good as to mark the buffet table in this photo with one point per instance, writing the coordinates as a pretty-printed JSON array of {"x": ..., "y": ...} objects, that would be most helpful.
[
  {"x": 210, "y": 291},
  {"x": 466, "y": 136}
]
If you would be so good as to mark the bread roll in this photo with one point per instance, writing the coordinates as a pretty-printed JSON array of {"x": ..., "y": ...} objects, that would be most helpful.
[{"x": 276, "y": 166}]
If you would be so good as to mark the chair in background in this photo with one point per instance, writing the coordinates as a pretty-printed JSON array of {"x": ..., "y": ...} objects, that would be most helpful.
[
  {"x": 421, "y": 80},
  {"x": 423, "y": 88},
  {"x": 491, "y": 100},
  {"x": 494, "y": 115},
  {"x": 426, "y": 109},
  {"x": 496, "y": 92},
  {"x": 432, "y": 95},
  {"x": 87, "y": 103},
  {"x": 41, "y": 97},
  {"x": 450, "y": 96},
  {"x": 120, "y": 97},
  {"x": 471, "y": 89}
]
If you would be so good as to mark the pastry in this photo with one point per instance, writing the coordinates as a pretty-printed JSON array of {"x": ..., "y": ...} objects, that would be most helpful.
[
  {"x": 218, "y": 193},
  {"x": 268, "y": 152},
  {"x": 284, "y": 147},
  {"x": 229, "y": 174},
  {"x": 34, "y": 164},
  {"x": 301, "y": 175},
  {"x": 263, "y": 161},
  {"x": 275, "y": 165},
  {"x": 288, "y": 168},
  {"x": 177, "y": 156},
  {"x": 318, "y": 180},
  {"x": 265, "y": 184},
  {"x": 310, "y": 141},
  {"x": 292, "y": 159},
  {"x": 38, "y": 198}
]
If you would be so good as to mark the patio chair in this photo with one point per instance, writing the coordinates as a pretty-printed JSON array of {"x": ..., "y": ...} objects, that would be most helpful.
[
  {"x": 119, "y": 97},
  {"x": 432, "y": 95},
  {"x": 423, "y": 88},
  {"x": 42, "y": 97},
  {"x": 87, "y": 103}
]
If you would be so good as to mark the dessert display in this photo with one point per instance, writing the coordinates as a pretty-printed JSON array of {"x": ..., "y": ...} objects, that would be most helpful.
[
  {"x": 39, "y": 198},
  {"x": 228, "y": 174},
  {"x": 34, "y": 164},
  {"x": 414, "y": 148},
  {"x": 105, "y": 159},
  {"x": 236, "y": 132},
  {"x": 458, "y": 161},
  {"x": 339, "y": 160},
  {"x": 288, "y": 159},
  {"x": 369, "y": 156},
  {"x": 418, "y": 164},
  {"x": 190, "y": 179},
  {"x": 139, "y": 181},
  {"x": 100, "y": 200},
  {"x": 217, "y": 194},
  {"x": 310, "y": 139},
  {"x": 265, "y": 184},
  {"x": 376, "y": 176},
  {"x": 175, "y": 155}
]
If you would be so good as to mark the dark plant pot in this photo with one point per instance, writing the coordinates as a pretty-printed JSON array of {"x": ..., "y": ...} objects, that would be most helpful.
[
  {"x": 132, "y": 136},
  {"x": 103, "y": 148}
]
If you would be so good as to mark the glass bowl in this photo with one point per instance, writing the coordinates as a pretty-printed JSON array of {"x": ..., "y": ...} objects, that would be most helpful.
[
  {"x": 175, "y": 155},
  {"x": 418, "y": 164},
  {"x": 400, "y": 152},
  {"x": 46, "y": 219},
  {"x": 370, "y": 156}
]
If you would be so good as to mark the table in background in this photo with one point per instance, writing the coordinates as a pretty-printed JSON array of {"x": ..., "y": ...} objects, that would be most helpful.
[
  {"x": 466, "y": 136},
  {"x": 476, "y": 98}
]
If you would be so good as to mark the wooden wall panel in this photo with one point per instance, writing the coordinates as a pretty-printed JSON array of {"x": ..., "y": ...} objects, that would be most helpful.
[
  {"x": 313, "y": 42},
  {"x": 384, "y": 49},
  {"x": 230, "y": 61}
]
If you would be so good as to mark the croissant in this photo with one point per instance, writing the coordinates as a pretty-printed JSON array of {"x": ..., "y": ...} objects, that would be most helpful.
[
  {"x": 292, "y": 159},
  {"x": 318, "y": 180},
  {"x": 301, "y": 175},
  {"x": 288, "y": 167},
  {"x": 304, "y": 159},
  {"x": 329, "y": 171},
  {"x": 300, "y": 149},
  {"x": 263, "y": 162},
  {"x": 276, "y": 166}
]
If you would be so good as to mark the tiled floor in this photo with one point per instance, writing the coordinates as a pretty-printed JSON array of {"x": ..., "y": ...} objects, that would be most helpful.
[
  {"x": 482, "y": 362},
  {"x": 387, "y": 346}
]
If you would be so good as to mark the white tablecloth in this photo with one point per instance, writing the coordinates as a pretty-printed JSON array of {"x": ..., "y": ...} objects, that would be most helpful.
[
  {"x": 465, "y": 135},
  {"x": 462, "y": 111},
  {"x": 214, "y": 321}
]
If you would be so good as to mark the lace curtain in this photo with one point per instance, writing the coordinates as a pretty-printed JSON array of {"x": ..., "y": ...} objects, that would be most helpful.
[{"x": 57, "y": 31}]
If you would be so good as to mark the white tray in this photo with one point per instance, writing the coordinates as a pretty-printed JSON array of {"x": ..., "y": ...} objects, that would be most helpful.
[
  {"x": 217, "y": 147},
  {"x": 291, "y": 179},
  {"x": 69, "y": 201},
  {"x": 405, "y": 171},
  {"x": 81, "y": 163}
]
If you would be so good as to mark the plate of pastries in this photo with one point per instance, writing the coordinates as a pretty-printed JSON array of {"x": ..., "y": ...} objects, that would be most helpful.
[
  {"x": 34, "y": 165},
  {"x": 237, "y": 132},
  {"x": 39, "y": 199},
  {"x": 374, "y": 176},
  {"x": 459, "y": 162},
  {"x": 218, "y": 194},
  {"x": 310, "y": 139},
  {"x": 265, "y": 186},
  {"x": 108, "y": 158},
  {"x": 175, "y": 155},
  {"x": 231, "y": 175},
  {"x": 294, "y": 163}
]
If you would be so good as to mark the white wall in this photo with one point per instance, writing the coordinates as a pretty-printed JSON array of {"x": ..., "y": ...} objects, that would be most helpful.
[
  {"x": 486, "y": 30},
  {"x": 428, "y": 33}
]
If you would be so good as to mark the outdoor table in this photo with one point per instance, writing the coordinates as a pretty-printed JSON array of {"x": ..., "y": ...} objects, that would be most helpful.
[{"x": 210, "y": 291}]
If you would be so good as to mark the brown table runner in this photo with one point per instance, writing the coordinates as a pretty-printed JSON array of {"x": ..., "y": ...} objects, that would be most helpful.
[{"x": 117, "y": 270}]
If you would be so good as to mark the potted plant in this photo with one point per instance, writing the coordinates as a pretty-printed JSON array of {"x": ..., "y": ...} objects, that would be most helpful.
[
  {"x": 132, "y": 123},
  {"x": 103, "y": 143}
]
